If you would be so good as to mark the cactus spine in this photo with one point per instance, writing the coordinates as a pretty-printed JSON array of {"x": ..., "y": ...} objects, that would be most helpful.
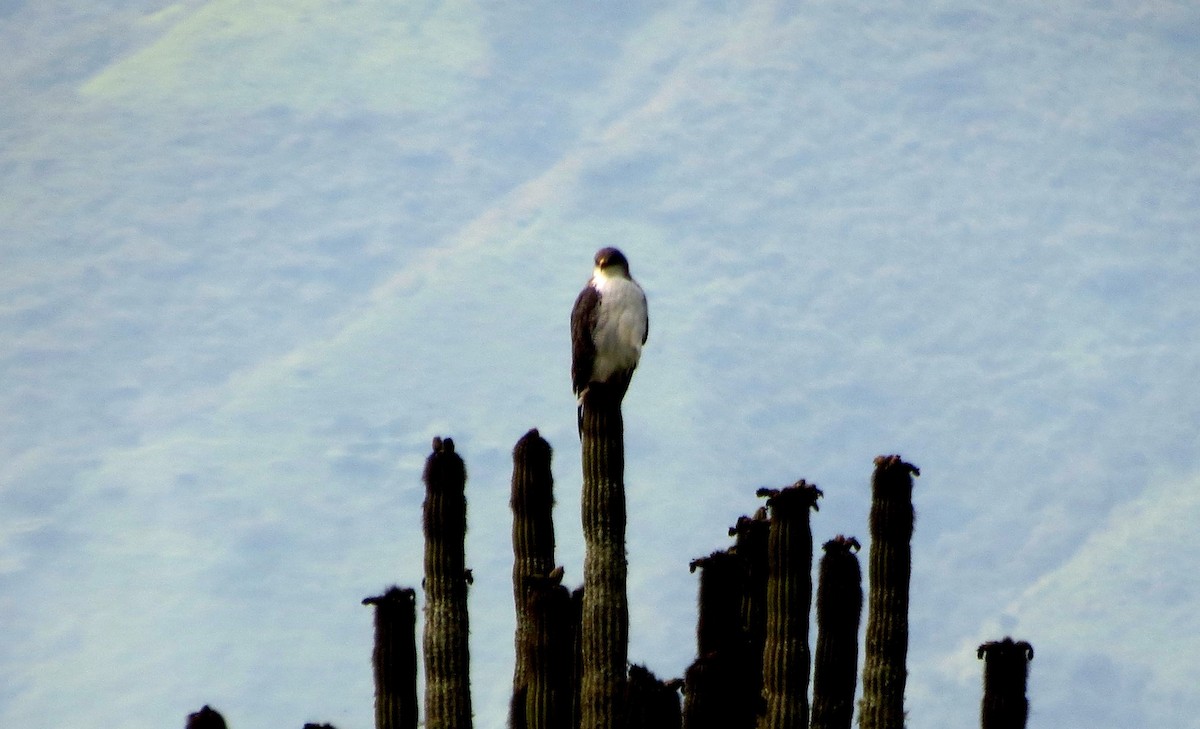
[
  {"x": 839, "y": 610},
  {"x": 1005, "y": 674},
  {"x": 789, "y": 598},
  {"x": 447, "y": 655},
  {"x": 395, "y": 658},
  {"x": 532, "y": 505},
  {"x": 884, "y": 671},
  {"x": 605, "y": 622}
]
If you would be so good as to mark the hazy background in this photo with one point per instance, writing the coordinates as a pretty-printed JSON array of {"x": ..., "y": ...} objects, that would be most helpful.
[{"x": 255, "y": 254}]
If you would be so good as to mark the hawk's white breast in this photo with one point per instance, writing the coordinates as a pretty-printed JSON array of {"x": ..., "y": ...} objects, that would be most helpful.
[{"x": 620, "y": 325}]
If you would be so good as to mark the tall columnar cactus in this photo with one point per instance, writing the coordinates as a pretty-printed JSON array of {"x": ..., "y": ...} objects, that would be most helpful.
[
  {"x": 532, "y": 505},
  {"x": 605, "y": 623},
  {"x": 1005, "y": 673},
  {"x": 577, "y": 657},
  {"x": 839, "y": 609},
  {"x": 718, "y": 683},
  {"x": 722, "y": 584},
  {"x": 447, "y": 655},
  {"x": 789, "y": 598},
  {"x": 751, "y": 545},
  {"x": 206, "y": 718},
  {"x": 395, "y": 658},
  {"x": 706, "y": 703},
  {"x": 884, "y": 670},
  {"x": 544, "y": 699}
]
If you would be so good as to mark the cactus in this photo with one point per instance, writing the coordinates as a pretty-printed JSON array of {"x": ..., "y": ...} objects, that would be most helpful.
[
  {"x": 544, "y": 699},
  {"x": 395, "y": 658},
  {"x": 884, "y": 669},
  {"x": 839, "y": 610},
  {"x": 789, "y": 598},
  {"x": 720, "y": 688},
  {"x": 605, "y": 624},
  {"x": 576, "y": 643},
  {"x": 751, "y": 546},
  {"x": 532, "y": 505},
  {"x": 447, "y": 655},
  {"x": 1005, "y": 673},
  {"x": 707, "y": 703},
  {"x": 651, "y": 703},
  {"x": 722, "y": 584},
  {"x": 206, "y": 718}
]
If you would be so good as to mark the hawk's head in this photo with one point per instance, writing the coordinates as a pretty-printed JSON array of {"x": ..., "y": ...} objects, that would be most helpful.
[{"x": 611, "y": 262}]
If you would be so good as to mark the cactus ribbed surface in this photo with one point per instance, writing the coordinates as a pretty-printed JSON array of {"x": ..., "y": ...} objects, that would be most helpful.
[
  {"x": 447, "y": 655},
  {"x": 395, "y": 658},
  {"x": 532, "y": 503},
  {"x": 206, "y": 718},
  {"x": 885, "y": 668},
  {"x": 1005, "y": 675},
  {"x": 839, "y": 610},
  {"x": 789, "y": 598},
  {"x": 605, "y": 623}
]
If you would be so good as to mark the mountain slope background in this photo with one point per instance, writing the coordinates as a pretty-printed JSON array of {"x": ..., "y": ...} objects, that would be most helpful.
[{"x": 257, "y": 254}]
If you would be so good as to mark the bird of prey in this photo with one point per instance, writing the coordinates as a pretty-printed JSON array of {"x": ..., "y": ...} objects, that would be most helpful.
[{"x": 609, "y": 325}]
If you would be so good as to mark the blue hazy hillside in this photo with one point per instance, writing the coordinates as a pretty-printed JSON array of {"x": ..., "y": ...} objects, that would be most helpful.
[{"x": 256, "y": 254}]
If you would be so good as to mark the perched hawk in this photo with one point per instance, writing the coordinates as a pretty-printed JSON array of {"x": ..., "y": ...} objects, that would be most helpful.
[{"x": 609, "y": 325}]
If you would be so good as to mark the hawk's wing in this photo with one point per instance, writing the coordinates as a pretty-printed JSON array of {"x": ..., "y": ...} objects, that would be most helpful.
[
  {"x": 646, "y": 333},
  {"x": 583, "y": 347}
]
